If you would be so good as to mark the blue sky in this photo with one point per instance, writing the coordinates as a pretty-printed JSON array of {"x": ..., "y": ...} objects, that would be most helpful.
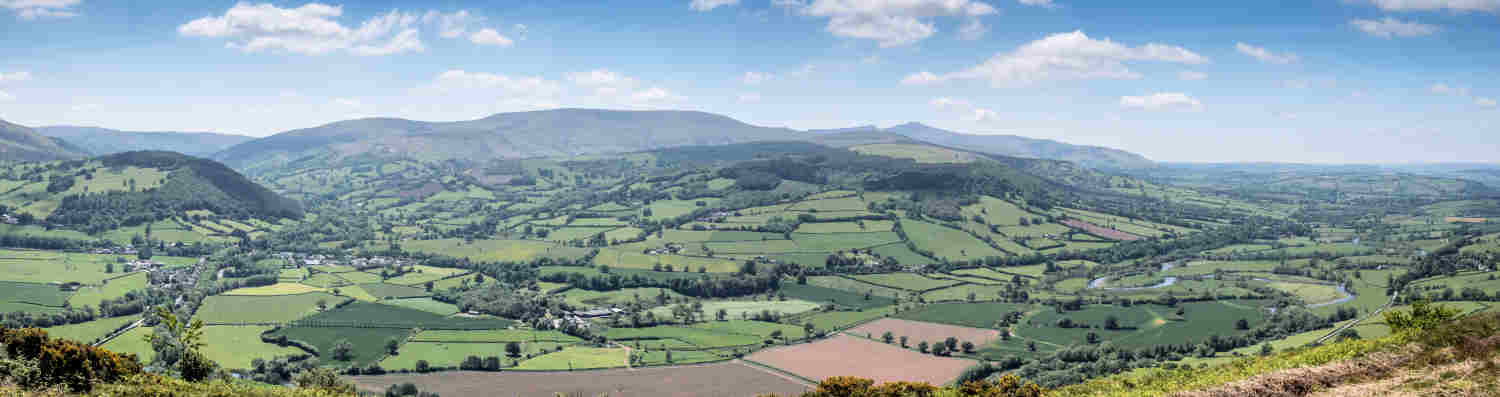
[{"x": 1323, "y": 81}]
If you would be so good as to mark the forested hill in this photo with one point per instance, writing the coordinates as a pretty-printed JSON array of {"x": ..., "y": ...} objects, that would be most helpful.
[
  {"x": 190, "y": 184},
  {"x": 101, "y": 141},
  {"x": 560, "y": 132},
  {"x": 20, "y": 143}
]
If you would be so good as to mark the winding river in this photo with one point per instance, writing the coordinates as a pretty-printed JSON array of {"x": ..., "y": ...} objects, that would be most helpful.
[{"x": 1099, "y": 283}]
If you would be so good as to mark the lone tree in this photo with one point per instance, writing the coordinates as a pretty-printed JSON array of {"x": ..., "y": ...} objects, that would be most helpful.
[
  {"x": 392, "y": 345},
  {"x": 951, "y": 343},
  {"x": 1242, "y": 324},
  {"x": 940, "y": 349},
  {"x": 888, "y": 337},
  {"x": 903, "y": 341},
  {"x": 968, "y": 347},
  {"x": 513, "y": 349},
  {"x": 1093, "y": 338},
  {"x": 922, "y": 347},
  {"x": 344, "y": 351},
  {"x": 1113, "y": 323}
]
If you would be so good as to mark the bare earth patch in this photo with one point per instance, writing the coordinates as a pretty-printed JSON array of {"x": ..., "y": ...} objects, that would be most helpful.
[
  {"x": 845, "y": 355},
  {"x": 720, "y": 379},
  {"x": 919, "y": 331}
]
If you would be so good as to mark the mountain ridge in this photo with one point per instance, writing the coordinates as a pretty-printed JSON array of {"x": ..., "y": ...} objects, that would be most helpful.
[
  {"x": 103, "y": 141},
  {"x": 18, "y": 142}
]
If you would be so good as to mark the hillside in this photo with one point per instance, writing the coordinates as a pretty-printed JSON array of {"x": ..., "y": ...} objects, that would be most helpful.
[
  {"x": 101, "y": 141},
  {"x": 561, "y": 132},
  {"x": 1018, "y": 146},
  {"x": 180, "y": 195},
  {"x": 21, "y": 143}
]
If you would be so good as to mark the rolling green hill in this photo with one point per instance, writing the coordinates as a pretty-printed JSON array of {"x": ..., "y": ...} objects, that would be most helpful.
[
  {"x": 134, "y": 189},
  {"x": 1004, "y": 145},
  {"x": 102, "y": 141},
  {"x": 21, "y": 143}
]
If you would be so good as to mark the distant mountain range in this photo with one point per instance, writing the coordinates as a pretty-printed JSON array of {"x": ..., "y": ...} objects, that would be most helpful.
[
  {"x": 102, "y": 141},
  {"x": 563, "y": 132},
  {"x": 560, "y": 132},
  {"x": 21, "y": 143},
  {"x": 1019, "y": 146}
]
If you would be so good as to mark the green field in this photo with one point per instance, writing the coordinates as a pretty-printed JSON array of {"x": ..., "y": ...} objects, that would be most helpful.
[
  {"x": 846, "y": 227},
  {"x": 586, "y": 298},
  {"x": 961, "y": 293},
  {"x": 424, "y": 304},
  {"x": 275, "y": 290},
  {"x": 814, "y": 293},
  {"x": 494, "y": 336},
  {"x": 1144, "y": 325},
  {"x": 324, "y": 280},
  {"x": 855, "y": 287},
  {"x": 906, "y": 281},
  {"x": 234, "y": 347},
  {"x": 843, "y": 241},
  {"x": 828, "y": 321},
  {"x": 383, "y": 291},
  {"x": 977, "y": 315},
  {"x": 439, "y": 354},
  {"x": 114, "y": 288},
  {"x": 133, "y": 342},
  {"x": 572, "y": 358},
  {"x": 998, "y": 212},
  {"x": 368, "y": 343},
  {"x": 1004, "y": 273},
  {"x": 224, "y": 309},
  {"x": 918, "y": 153},
  {"x": 24, "y": 294},
  {"x": 365, "y": 314},
  {"x": 946, "y": 242},
  {"x": 700, "y": 338},
  {"x": 1309, "y": 293},
  {"x": 902, "y": 254},
  {"x": 481, "y": 250},
  {"x": 756, "y": 328},
  {"x": 737, "y": 308},
  {"x": 87, "y": 332},
  {"x": 623, "y": 259},
  {"x": 60, "y": 267}
]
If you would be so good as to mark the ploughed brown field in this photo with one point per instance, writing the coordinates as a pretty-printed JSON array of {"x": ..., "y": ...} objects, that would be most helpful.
[
  {"x": 1101, "y": 231},
  {"x": 919, "y": 331},
  {"x": 1454, "y": 219},
  {"x": 845, "y": 355},
  {"x": 730, "y": 379}
]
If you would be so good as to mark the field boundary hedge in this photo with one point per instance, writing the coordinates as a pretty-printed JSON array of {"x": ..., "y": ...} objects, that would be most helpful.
[
  {"x": 848, "y": 277},
  {"x": 779, "y": 371}
]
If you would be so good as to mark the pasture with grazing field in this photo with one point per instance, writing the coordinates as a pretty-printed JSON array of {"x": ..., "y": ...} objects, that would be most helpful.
[
  {"x": 440, "y": 354},
  {"x": 235, "y": 347},
  {"x": 737, "y": 308},
  {"x": 814, "y": 293},
  {"x": 494, "y": 336},
  {"x": 946, "y": 242},
  {"x": 278, "y": 309},
  {"x": 368, "y": 343},
  {"x": 978, "y": 315},
  {"x": 87, "y": 332},
  {"x": 906, "y": 281},
  {"x": 366, "y": 314},
  {"x": 573, "y": 357},
  {"x": 276, "y": 289}
]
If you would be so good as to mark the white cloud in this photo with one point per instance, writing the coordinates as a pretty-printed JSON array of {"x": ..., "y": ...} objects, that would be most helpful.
[
  {"x": 1041, "y": 3},
  {"x": 38, "y": 9},
  {"x": 749, "y": 97},
  {"x": 1265, "y": 55},
  {"x": 458, "y": 80},
  {"x": 1064, "y": 56},
  {"x": 1191, "y": 75},
  {"x": 1161, "y": 101},
  {"x": 755, "y": 78},
  {"x": 490, "y": 37},
  {"x": 1485, "y": 102},
  {"x": 451, "y": 25},
  {"x": 1391, "y": 27},
  {"x": 613, "y": 88},
  {"x": 892, "y": 23},
  {"x": 967, "y": 111},
  {"x": 705, "y": 5},
  {"x": 1444, "y": 89},
  {"x": 973, "y": 29},
  {"x": 15, "y": 76},
  {"x": 6, "y": 97},
  {"x": 349, "y": 102},
  {"x": 310, "y": 30},
  {"x": 1436, "y": 5}
]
